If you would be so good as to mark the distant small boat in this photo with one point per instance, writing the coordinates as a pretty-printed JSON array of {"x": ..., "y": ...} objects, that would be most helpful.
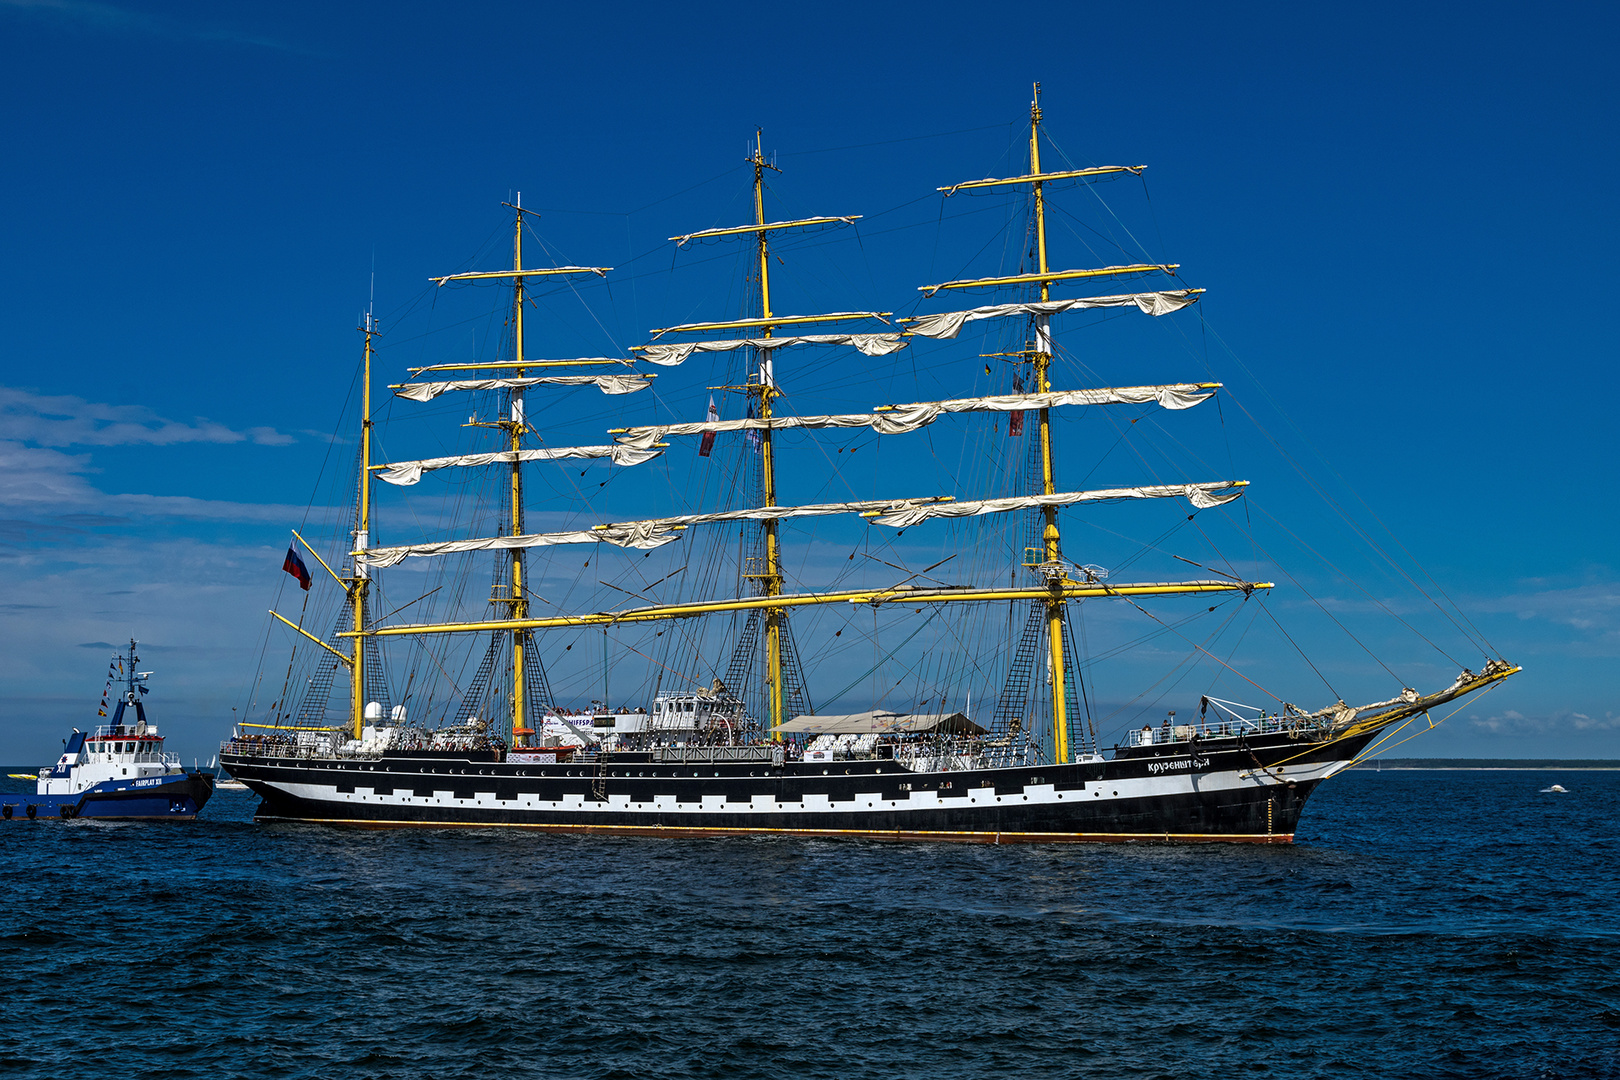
[
  {"x": 1556, "y": 789},
  {"x": 23, "y": 775},
  {"x": 223, "y": 781}
]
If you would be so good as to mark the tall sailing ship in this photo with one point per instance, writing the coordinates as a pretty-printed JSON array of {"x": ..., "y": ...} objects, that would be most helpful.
[{"x": 746, "y": 752}]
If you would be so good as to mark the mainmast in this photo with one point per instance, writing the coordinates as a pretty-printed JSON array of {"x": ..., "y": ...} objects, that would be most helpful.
[
  {"x": 767, "y": 578},
  {"x": 771, "y": 579}
]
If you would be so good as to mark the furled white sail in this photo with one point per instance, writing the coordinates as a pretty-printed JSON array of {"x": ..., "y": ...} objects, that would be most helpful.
[
  {"x": 405, "y": 473},
  {"x": 772, "y": 321},
  {"x": 870, "y": 344},
  {"x": 1202, "y": 496},
  {"x": 949, "y": 323},
  {"x": 899, "y": 419},
  {"x": 608, "y": 384},
  {"x": 899, "y": 513},
  {"x": 532, "y": 362}
]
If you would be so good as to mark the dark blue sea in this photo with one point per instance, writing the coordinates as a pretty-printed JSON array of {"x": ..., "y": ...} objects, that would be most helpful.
[{"x": 1426, "y": 924}]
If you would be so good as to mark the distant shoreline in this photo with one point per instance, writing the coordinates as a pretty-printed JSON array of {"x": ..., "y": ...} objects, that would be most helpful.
[{"x": 1489, "y": 765}]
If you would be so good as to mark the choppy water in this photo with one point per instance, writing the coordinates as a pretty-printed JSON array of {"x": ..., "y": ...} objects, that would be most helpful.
[{"x": 1457, "y": 924}]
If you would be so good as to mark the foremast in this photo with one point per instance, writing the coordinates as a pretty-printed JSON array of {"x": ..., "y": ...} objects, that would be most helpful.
[
  {"x": 1055, "y": 604},
  {"x": 1050, "y": 563}
]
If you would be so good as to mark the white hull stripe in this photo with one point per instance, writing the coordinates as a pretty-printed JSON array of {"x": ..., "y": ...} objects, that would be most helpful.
[{"x": 1172, "y": 784}]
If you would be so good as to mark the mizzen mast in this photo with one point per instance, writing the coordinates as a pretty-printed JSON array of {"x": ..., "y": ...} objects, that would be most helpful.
[
  {"x": 514, "y": 425},
  {"x": 517, "y": 603},
  {"x": 360, "y": 581}
]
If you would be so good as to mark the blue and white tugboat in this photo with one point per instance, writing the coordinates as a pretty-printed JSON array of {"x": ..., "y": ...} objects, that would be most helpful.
[{"x": 117, "y": 772}]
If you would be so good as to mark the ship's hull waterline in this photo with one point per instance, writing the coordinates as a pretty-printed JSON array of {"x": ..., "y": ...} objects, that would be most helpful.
[
  {"x": 1228, "y": 792},
  {"x": 175, "y": 798}
]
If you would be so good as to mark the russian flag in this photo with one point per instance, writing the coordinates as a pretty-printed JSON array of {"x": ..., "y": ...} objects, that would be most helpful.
[
  {"x": 707, "y": 445},
  {"x": 295, "y": 566}
]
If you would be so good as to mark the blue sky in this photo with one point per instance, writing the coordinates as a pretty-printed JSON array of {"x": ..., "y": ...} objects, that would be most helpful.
[{"x": 1376, "y": 199}]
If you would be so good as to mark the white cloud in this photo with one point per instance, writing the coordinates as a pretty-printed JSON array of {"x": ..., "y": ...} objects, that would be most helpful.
[
  {"x": 41, "y": 479},
  {"x": 1561, "y": 722},
  {"x": 37, "y": 480},
  {"x": 66, "y": 420},
  {"x": 109, "y": 19},
  {"x": 1582, "y": 607}
]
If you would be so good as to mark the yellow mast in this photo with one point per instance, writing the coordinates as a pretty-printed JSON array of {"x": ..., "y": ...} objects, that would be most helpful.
[
  {"x": 771, "y": 580},
  {"x": 1049, "y": 535},
  {"x": 514, "y": 424},
  {"x": 360, "y": 583},
  {"x": 517, "y": 603}
]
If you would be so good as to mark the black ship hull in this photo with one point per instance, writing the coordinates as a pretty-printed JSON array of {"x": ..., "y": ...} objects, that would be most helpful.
[{"x": 1246, "y": 790}]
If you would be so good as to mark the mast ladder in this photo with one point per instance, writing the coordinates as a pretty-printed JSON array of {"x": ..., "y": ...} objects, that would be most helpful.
[{"x": 1012, "y": 708}]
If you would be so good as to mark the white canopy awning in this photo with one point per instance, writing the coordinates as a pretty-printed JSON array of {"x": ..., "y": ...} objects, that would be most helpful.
[{"x": 881, "y": 722}]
